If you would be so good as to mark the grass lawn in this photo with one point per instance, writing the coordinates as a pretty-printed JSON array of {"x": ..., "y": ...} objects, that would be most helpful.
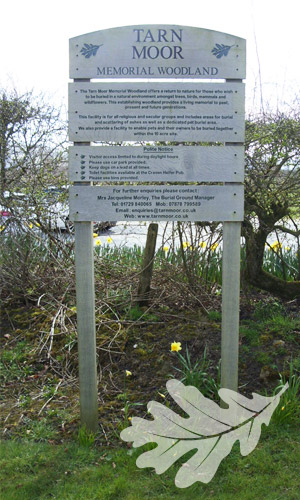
[{"x": 30, "y": 471}]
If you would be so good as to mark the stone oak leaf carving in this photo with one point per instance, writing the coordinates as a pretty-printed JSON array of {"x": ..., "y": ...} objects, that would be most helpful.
[
  {"x": 209, "y": 430},
  {"x": 89, "y": 50},
  {"x": 221, "y": 50}
]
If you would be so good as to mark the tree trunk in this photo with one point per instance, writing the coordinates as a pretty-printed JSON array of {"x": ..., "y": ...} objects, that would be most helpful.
[
  {"x": 143, "y": 294},
  {"x": 254, "y": 272}
]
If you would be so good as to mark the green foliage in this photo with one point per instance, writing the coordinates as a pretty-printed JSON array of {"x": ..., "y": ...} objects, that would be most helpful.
[
  {"x": 15, "y": 363},
  {"x": 38, "y": 430},
  {"x": 266, "y": 309},
  {"x": 123, "y": 396},
  {"x": 197, "y": 374},
  {"x": 120, "y": 297},
  {"x": 128, "y": 405},
  {"x": 204, "y": 263},
  {"x": 25, "y": 401},
  {"x": 284, "y": 325},
  {"x": 85, "y": 437},
  {"x": 251, "y": 333},
  {"x": 296, "y": 364},
  {"x": 122, "y": 256},
  {"x": 289, "y": 408},
  {"x": 135, "y": 313},
  {"x": 264, "y": 358},
  {"x": 30, "y": 261},
  {"x": 282, "y": 262},
  {"x": 27, "y": 257},
  {"x": 214, "y": 315}
]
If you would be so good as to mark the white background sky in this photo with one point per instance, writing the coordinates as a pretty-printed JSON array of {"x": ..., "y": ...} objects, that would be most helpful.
[{"x": 34, "y": 38}]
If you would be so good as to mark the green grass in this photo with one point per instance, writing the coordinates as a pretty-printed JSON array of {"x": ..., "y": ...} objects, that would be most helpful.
[
  {"x": 270, "y": 318},
  {"x": 39, "y": 471},
  {"x": 270, "y": 337},
  {"x": 15, "y": 362}
]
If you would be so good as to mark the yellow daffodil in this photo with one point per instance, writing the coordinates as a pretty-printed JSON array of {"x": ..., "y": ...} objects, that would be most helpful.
[
  {"x": 185, "y": 244},
  {"x": 166, "y": 248},
  {"x": 287, "y": 249},
  {"x": 176, "y": 346},
  {"x": 95, "y": 235},
  {"x": 128, "y": 373},
  {"x": 109, "y": 240},
  {"x": 275, "y": 246},
  {"x": 202, "y": 244},
  {"x": 30, "y": 225},
  {"x": 98, "y": 242},
  {"x": 214, "y": 246},
  {"x": 2, "y": 228}
]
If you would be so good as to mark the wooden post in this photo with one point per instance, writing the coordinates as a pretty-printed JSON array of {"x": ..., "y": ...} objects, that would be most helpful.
[
  {"x": 85, "y": 294},
  {"x": 86, "y": 328},
  {"x": 230, "y": 304},
  {"x": 146, "y": 273},
  {"x": 231, "y": 264}
]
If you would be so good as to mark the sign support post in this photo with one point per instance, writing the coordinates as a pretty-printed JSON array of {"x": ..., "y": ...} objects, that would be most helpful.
[
  {"x": 230, "y": 304},
  {"x": 85, "y": 299},
  {"x": 230, "y": 298},
  {"x": 86, "y": 324}
]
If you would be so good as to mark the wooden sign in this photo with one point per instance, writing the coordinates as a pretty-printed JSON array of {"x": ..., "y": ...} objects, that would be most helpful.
[
  {"x": 163, "y": 203},
  {"x": 157, "y": 111},
  {"x": 152, "y": 111},
  {"x": 157, "y": 51},
  {"x": 156, "y": 163}
]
